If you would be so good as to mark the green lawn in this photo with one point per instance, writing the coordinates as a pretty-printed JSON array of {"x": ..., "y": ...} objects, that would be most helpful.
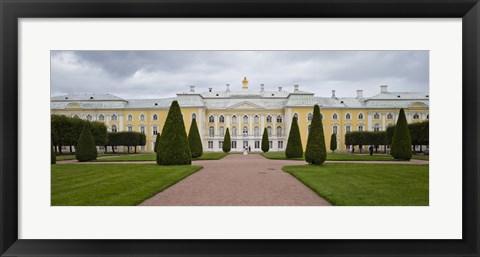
[
  {"x": 153, "y": 157},
  {"x": 72, "y": 156},
  {"x": 112, "y": 184},
  {"x": 421, "y": 157},
  {"x": 366, "y": 184},
  {"x": 336, "y": 157}
]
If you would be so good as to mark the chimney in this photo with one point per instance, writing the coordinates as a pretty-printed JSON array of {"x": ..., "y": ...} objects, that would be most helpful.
[
  {"x": 333, "y": 93},
  {"x": 279, "y": 89},
  {"x": 295, "y": 88},
  {"x": 359, "y": 93},
  {"x": 228, "y": 87},
  {"x": 192, "y": 88},
  {"x": 209, "y": 89},
  {"x": 262, "y": 87},
  {"x": 383, "y": 89}
]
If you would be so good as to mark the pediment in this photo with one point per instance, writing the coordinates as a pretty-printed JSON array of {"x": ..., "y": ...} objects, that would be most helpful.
[{"x": 245, "y": 105}]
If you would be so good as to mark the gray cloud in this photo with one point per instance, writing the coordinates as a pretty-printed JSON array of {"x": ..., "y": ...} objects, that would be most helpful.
[{"x": 157, "y": 74}]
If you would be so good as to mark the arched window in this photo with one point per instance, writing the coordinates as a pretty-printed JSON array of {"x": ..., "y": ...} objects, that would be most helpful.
[
  {"x": 348, "y": 129},
  {"x": 279, "y": 131},
  {"x": 269, "y": 131},
  {"x": 389, "y": 116},
  {"x": 89, "y": 117},
  {"x": 335, "y": 129},
  {"x": 142, "y": 129},
  {"x": 101, "y": 117},
  {"x": 348, "y": 116},
  {"x": 221, "y": 119},
  {"x": 234, "y": 131},
  {"x": 269, "y": 119},
  {"x": 142, "y": 117},
  {"x": 155, "y": 117},
  {"x": 245, "y": 131},
  {"x": 256, "y": 119},
  {"x": 310, "y": 117},
  {"x": 129, "y": 117},
  {"x": 334, "y": 116},
  {"x": 222, "y": 131},
  {"x": 234, "y": 119},
  {"x": 256, "y": 131},
  {"x": 280, "y": 119},
  {"x": 360, "y": 127},
  {"x": 360, "y": 116},
  {"x": 245, "y": 119},
  {"x": 211, "y": 131},
  {"x": 129, "y": 128},
  {"x": 376, "y": 127},
  {"x": 416, "y": 116},
  {"x": 155, "y": 130},
  {"x": 376, "y": 116},
  {"x": 211, "y": 119},
  {"x": 113, "y": 117},
  {"x": 114, "y": 128}
]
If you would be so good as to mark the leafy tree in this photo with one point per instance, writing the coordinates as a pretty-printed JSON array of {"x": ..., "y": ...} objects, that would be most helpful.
[
  {"x": 85, "y": 149},
  {"x": 53, "y": 157},
  {"x": 227, "y": 142},
  {"x": 194, "y": 140},
  {"x": 294, "y": 145},
  {"x": 156, "y": 142},
  {"x": 333, "y": 142},
  {"x": 265, "y": 143},
  {"x": 173, "y": 148},
  {"x": 316, "y": 152},
  {"x": 401, "y": 141}
]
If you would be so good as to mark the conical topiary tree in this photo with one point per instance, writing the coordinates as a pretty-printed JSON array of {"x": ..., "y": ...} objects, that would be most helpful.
[
  {"x": 401, "y": 141},
  {"x": 333, "y": 142},
  {"x": 85, "y": 149},
  {"x": 155, "y": 148},
  {"x": 294, "y": 145},
  {"x": 173, "y": 147},
  {"x": 53, "y": 157},
  {"x": 227, "y": 142},
  {"x": 194, "y": 140},
  {"x": 316, "y": 152},
  {"x": 265, "y": 144}
]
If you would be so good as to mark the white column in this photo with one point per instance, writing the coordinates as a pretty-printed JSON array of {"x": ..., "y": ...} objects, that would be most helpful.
[
  {"x": 120, "y": 118},
  {"x": 383, "y": 121},
  {"x": 262, "y": 123},
  {"x": 370, "y": 125}
]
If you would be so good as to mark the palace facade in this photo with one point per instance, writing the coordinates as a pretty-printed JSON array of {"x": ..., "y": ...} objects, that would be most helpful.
[{"x": 247, "y": 112}]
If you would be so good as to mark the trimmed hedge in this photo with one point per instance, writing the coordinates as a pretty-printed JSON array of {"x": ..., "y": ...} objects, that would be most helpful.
[
  {"x": 227, "y": 142},
  {"x": 333, "y": 142},
  {"x": 53, "y": 156},
  {"x": 265, "y": 144},
  {"x": 126, "y": 138},
  {"x": 194, "y": 140},
  {"x": 173, "y": 148},
  {"x": 365, "y": 138},
  {"x": 401, "y": 141},
  {"x": 316, "y": 152},
  {"x": 419, "y": 133},
  {"x": 86, "y": 150},
  {"x": 155, "y": 149},
  {"x": 294, "y": 144}
]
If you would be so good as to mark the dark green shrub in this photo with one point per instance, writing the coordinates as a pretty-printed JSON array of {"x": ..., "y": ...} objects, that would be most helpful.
[
  {"x": 294, "y": 145},
  {"x": 194, "y": 140},
  {"x": 53, "y": 156},
  {"x": 227, "y": 142},
  {"x": 173, "y": 148},
  {"x": 85, "y": 149},
  {"x": 265, "y": 143},
  {"x": 316, "y": 152},
  {"x": 401, "y": 141},
  {"x": 333, "y": 142},
  {"x": 155, "y": 149}
]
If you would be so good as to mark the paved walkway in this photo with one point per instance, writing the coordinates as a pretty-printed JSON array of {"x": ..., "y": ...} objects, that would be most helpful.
[{"x": 240, "y": 180}]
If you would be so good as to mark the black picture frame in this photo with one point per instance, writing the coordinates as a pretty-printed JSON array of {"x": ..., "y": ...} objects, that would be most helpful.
[{"x": 11, "y": 11}]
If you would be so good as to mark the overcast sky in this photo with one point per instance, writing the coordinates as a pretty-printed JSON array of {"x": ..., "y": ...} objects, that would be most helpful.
[{"x": 157, "y": 74}]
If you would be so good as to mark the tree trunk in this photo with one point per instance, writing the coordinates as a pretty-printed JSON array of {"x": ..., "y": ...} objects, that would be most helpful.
[
  {"x": 384, "y": 148},
  {"x": 421, "y": 149},
  {"x": 135, "y": 149},
  {"x": 113, "y": 149},
  {"x": 376, "y": 149},
  {"x": 60, "y": 149},
  {"x": 71, "y": 151},
  {"x": 128, "y": 149}
]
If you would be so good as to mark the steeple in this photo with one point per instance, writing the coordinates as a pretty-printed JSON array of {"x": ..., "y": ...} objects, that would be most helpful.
[{"x": 245, "y": 83}]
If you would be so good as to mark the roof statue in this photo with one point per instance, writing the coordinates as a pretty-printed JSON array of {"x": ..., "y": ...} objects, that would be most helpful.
[{"x": 245, "y": 83}]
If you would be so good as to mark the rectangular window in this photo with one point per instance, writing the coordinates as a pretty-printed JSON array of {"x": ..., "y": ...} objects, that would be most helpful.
[
  {"x": 155, "y": 130},
  {"x": 220, "y": 144},
  {"x": 348, "y": 128},
  {"x": 280, "y": 144},
  {"x": 270, "y": 144},
  {"x": 334, "y": 130},
  {"x": 210, "y": 144},
  {"x": 245, "y": 144},
  {"x": 234, "y": 144},
  {"x": 142, "y": 129},
  {"x": 257, "y": 144},
  {"x": 360, "y": 128}
]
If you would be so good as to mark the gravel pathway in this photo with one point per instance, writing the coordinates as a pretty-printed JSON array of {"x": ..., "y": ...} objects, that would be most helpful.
[{"x": 239, "y": 180}]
